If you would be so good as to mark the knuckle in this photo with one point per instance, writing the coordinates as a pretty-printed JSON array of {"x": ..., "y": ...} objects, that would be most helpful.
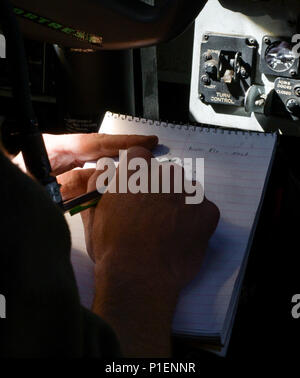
[{"x": 139, "y": 151}]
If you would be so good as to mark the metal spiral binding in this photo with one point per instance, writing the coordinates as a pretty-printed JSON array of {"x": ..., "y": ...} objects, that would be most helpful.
[{"x": 188, "y": 127}]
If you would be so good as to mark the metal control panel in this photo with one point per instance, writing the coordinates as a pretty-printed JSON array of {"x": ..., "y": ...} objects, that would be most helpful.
[
  {"x": 227, "y": 67},
  {"x": 286, "y": 99},
  {"x": 246, "y": 66},
  {"x": 278, "y": 58}
]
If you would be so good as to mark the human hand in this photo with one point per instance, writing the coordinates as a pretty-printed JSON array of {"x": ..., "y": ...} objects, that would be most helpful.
[
  {"x": 69, "y": 151},
  {"x": 146, "y": 248}
]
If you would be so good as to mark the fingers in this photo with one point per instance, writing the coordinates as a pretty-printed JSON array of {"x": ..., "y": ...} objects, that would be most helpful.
[
  {"x": 91, "y": 186},
  {"x": 74, "y": 183},
  {"x": 88, "y": 147},
  {"x": 139, "y": 152},
  {"x": 73, "y": 150},
  {"x": 127, "y": 168},
  {"x": 167, "y": 177},
  {"x": 136, "y": 153},
  {"x": 88, "y": 216}
]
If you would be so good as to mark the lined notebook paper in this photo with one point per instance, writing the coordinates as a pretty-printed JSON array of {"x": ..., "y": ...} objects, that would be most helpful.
[{"x": 237, "y": 165}]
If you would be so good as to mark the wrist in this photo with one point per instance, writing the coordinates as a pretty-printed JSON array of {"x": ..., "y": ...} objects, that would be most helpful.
[{"x": 139, "y": 308}]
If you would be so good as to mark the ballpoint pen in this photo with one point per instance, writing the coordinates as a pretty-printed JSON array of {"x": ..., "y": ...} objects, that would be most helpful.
[{"x": 81, "y": 203}]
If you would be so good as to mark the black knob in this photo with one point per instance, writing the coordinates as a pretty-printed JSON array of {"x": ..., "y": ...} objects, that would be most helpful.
[
  {"x": 293, "y": 106},
  {"x": 210, "y": 69}
]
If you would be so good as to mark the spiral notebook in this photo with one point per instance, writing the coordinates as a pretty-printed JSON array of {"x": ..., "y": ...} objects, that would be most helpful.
[{"x": 237, "y": 166}]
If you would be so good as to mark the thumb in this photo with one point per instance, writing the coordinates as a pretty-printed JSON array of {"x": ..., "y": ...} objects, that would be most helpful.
[{"x": 74, "y": 183}]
